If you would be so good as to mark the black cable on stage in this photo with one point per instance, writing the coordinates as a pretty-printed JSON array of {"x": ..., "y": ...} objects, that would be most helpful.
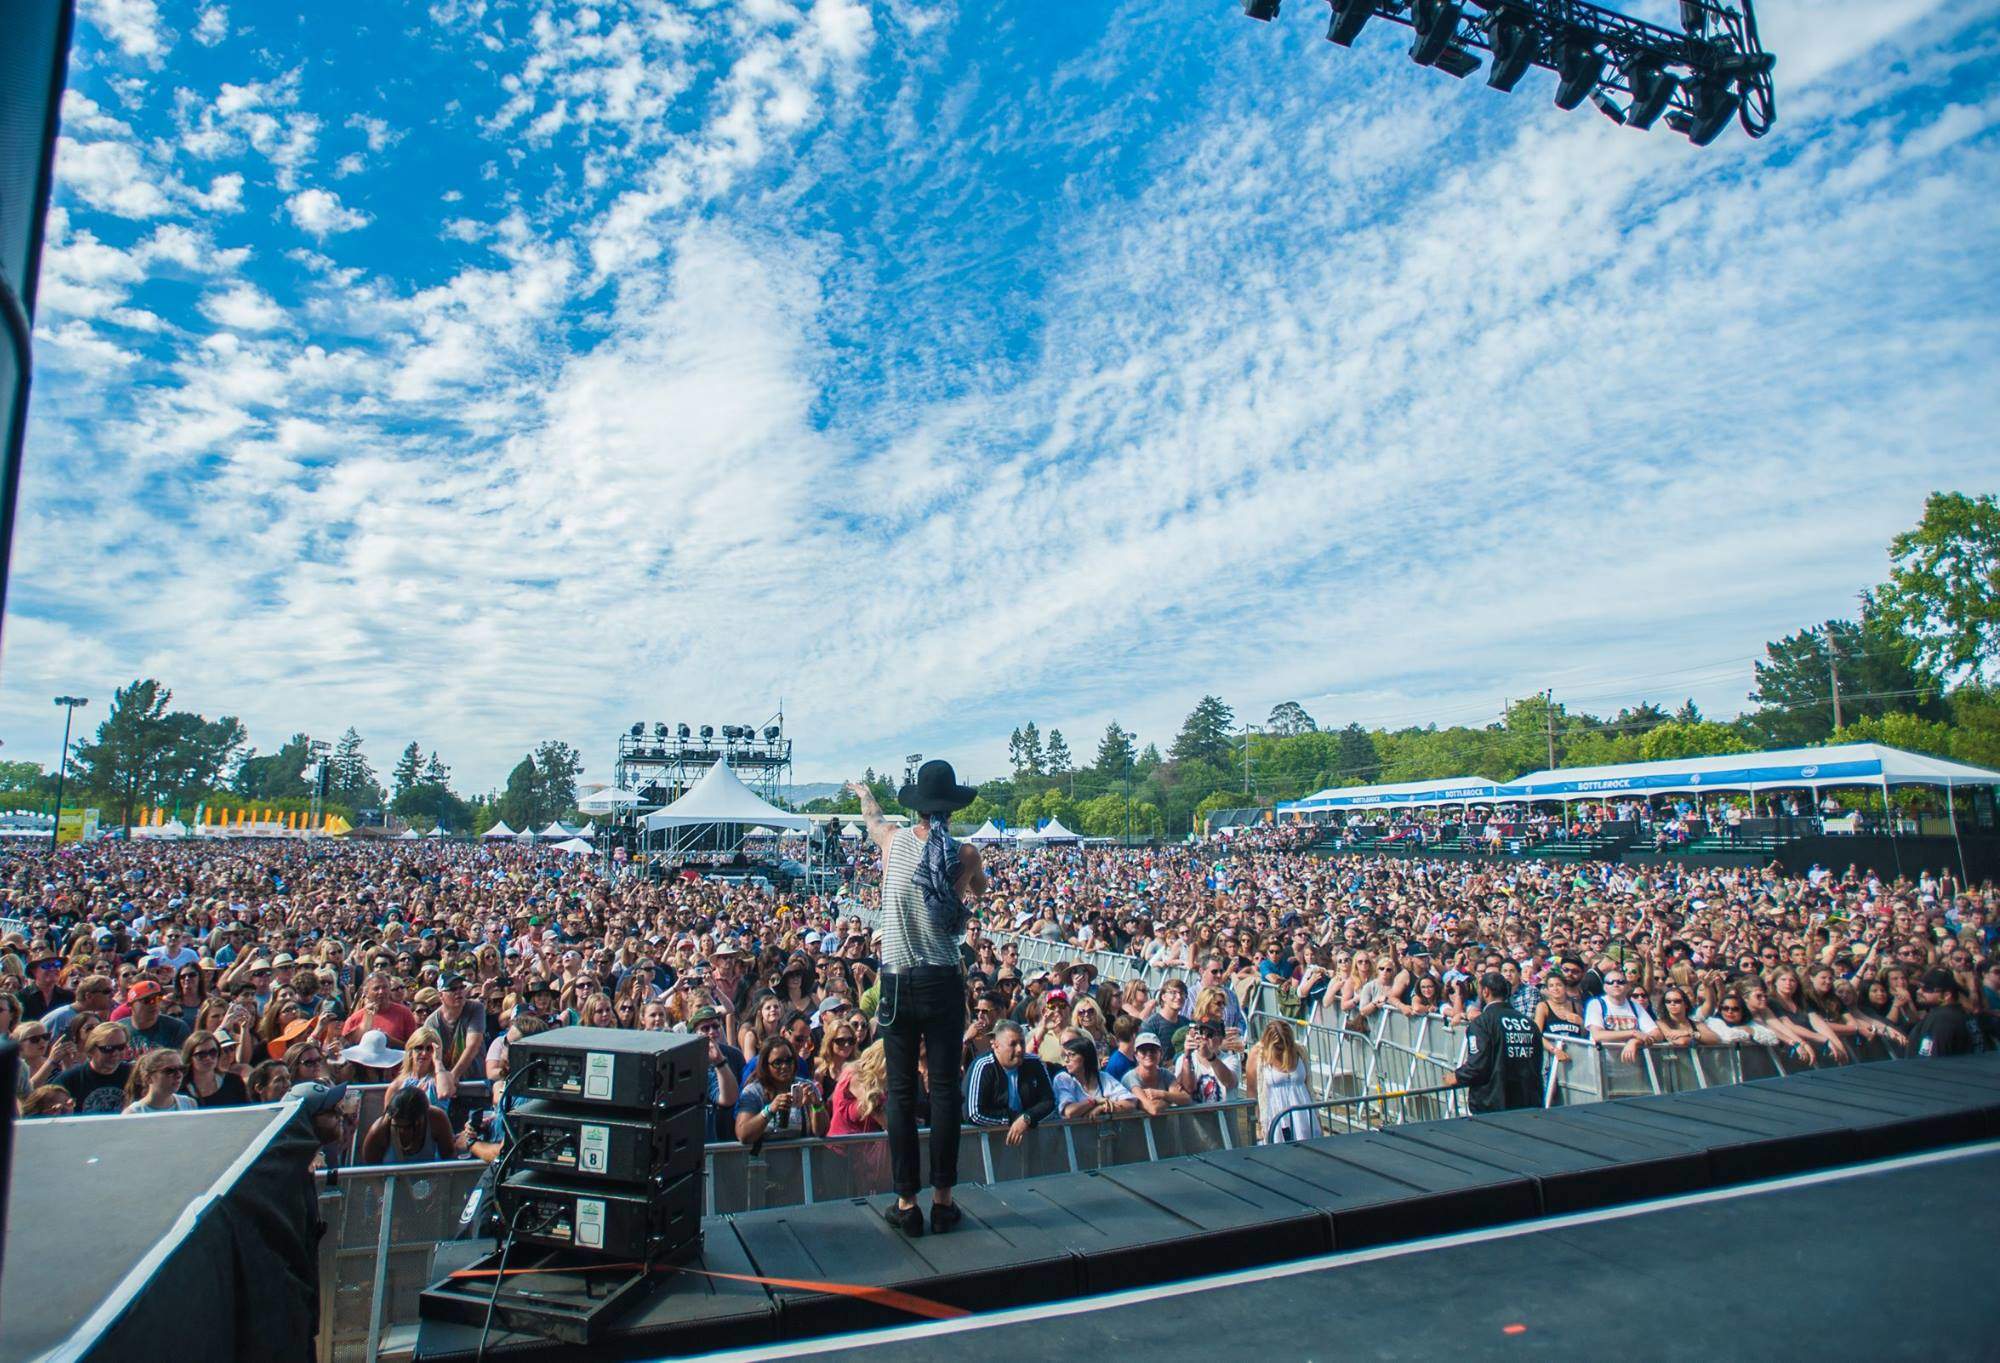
[{"x": 499, "y": 1281}]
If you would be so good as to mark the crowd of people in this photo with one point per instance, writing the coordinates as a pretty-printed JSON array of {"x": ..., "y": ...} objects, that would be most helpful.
[{"x": 160, "y": 977}]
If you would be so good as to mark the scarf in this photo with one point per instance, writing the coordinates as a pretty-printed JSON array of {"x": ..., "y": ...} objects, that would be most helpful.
[{"x": 936, "y": 877}]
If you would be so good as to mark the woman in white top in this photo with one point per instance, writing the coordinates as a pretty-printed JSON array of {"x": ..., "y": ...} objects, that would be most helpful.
[
  {"x": 155, "y": 1084},
  {"x": 1276, "y": 1071},
  {"x": 1081, "y": 1088}
]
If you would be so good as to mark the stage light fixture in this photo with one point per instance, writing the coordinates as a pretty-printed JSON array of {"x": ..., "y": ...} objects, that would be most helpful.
[
  {"x": 1457, "y": 63},
  {"x": 771, "y": 733},
  {"x": 1608, "y": 106},
  {"x": 684, "y": 734},
  {"x": 1349, "y": 17},
  {"x": 659, "y": 729},
  {"x": 1579, "y": 66},
  {"x": 1652, "y": 91},
  {"x": 639, "y": 729},
  {"x": 707, "y": 732},
  {"x": 1512, "y": 37},
  {"x": 1266, "y": 10},
  {"x": 1436, "y": 23},
  {"x": 1714, "y": 103}
]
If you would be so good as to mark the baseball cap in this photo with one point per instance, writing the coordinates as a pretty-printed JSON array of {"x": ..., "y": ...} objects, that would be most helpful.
[
  {"x": 703, "y": 1014},
  {"x": 1939, "y": 981},
  {"x": 1145, "y": 1039},
  {"x": 451, "y": 979},
  {"x": 317, "y": 1098},
  {"x": 283, "y": 959},
  {"x": 142, "y": 989}
]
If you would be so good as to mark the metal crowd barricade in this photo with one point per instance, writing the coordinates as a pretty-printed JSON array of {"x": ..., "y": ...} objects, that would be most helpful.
[
  {"x": 782, "y": 1173},
  {"x": 473, "y": 1094},
  {"x": 383, "y": 1223},
  {"x": 1376, "y": 1111}
]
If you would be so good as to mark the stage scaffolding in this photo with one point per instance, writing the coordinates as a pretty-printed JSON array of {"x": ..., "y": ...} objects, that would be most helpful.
[{"x": 659, "y": 762}]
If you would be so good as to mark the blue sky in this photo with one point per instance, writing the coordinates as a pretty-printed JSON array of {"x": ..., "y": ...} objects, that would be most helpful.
[{"x": 482, "y": 372}]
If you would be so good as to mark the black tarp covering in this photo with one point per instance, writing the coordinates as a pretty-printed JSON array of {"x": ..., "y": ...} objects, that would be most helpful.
[{"x": 184, "y": 1236}]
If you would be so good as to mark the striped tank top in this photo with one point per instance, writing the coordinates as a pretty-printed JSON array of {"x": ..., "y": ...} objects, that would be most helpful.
[{"x": 909, "y": 937}]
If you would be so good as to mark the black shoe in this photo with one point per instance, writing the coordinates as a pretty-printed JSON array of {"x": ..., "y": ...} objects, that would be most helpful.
[
  {"x": 944, "y": 1215},
  {"x": 908, "y": 1220}
]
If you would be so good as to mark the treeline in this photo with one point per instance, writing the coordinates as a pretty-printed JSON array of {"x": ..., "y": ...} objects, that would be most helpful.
[
  {"x": 1913, "y": 669},
  {"x": 145, "y": 754}
]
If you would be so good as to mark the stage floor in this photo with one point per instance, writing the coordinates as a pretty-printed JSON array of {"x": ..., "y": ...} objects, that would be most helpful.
[{"x": 1870, "y": 1261}]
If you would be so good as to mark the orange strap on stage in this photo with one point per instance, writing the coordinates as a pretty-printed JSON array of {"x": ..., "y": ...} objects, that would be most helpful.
[{"x": 885, "y": 1296}]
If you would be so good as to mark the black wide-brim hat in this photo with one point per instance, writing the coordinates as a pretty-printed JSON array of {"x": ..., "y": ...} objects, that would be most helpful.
[{"x": 936, "y": 790}]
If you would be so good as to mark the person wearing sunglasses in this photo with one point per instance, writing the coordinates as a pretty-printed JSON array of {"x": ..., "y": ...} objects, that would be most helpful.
[
  {"x": 155, "y": 1085},
  {"x": 97, "y": 1085},
  {"x": 206, "y": 1082}
]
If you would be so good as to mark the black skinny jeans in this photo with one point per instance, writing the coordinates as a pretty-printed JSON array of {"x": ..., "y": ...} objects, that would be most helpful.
[{"x": 923, "y": 1007}]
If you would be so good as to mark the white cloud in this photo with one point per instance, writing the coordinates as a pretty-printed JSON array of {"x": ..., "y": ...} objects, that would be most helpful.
[
  {"x": 244, "y": 307},
  {"x": 320, "y": 212},
  {"x": 109, "y": 176},
  {"x": 378, "y": 132},
  {"x": 212, "y": 25},
  {"x": 134, "y": 25},
  {"x": 351, "y": 164}
]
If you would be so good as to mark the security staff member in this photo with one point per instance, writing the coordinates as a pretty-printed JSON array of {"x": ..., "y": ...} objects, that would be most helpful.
[{"x": 1503, "y": 1054}]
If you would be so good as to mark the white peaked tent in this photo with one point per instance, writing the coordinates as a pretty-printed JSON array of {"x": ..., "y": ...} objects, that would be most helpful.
[
  {"x": 986, "y": 832},
  {"x": 608, "y": 801},
  {"x": 407, "y": 834},
  {"x": 575, "y": 847},
  {"x": 720, "y": 798},
  {"x": 526, "y": 835},
  {"x": 498, "y": 830},
  {"x": 589, "y": 829},
  {"x": 556, "y": 830},
  {"x": 438, "y": 832},
  {"x": 1053, "y": 831}
]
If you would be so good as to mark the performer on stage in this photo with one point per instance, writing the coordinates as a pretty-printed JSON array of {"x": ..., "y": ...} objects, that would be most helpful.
[{"x": 926, "y": 878}]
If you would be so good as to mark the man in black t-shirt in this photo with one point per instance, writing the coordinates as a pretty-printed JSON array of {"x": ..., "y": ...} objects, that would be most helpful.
[
  {"x": 1944, "y": 1030},
  {"x": 97, "y": 1086}
]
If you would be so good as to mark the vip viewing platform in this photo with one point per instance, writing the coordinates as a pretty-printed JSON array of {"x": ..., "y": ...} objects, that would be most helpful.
[{"x": 1856, "y": 802}]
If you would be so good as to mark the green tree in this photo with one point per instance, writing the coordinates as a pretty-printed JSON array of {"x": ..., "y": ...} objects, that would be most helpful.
[
  {"x": 1699, "y": 738},
  {"x": 1943, "y": 591},
  {"x": 520, "y": 800},
  {"x": 1794, "y": 692},
  {"x": 1205, "y": 734},
  {"x": 409, "y": 769},
  {"x": 144, "y": 752},
  {"x": 1114, "y": 752},
  {"x": 1288, "y": 718},
  {"x": 1220, "y": 800},
  {"x": 979, "y": 811},
  {"x": 1057, "y": 757},
  {"x": 24, "y": 778},
  {"x": 1357, "y": 758},
  {"x": 279, "y": 776},
  {"x": 559, "y": 765},
  {"x": 352, "y": 779},
  {"x": 1908, "y": 732},
  {"x": 1024, "y": 749}
]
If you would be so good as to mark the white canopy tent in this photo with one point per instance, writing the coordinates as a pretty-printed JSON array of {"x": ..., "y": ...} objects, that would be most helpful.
[
  {"x": 575, "y": 847},
  {"x": 608, "y": 801},
  {"x": 718, "y": 801},
  {"x": 556, "y": 830},
  {"x": 408, "y": 833},
  {"x": 438, "y": 831},
  {"x": 1053, "y": 831},
  {"x": 498, "y": 830},
  {"x": 986, "y": 832}
]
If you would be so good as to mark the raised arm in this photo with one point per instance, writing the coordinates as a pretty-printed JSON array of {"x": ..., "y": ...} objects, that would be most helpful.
[{"x": 879, "y": 830}]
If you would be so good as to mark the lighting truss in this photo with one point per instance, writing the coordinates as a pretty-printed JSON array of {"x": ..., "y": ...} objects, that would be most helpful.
[{"x": 1700, "y": 78}]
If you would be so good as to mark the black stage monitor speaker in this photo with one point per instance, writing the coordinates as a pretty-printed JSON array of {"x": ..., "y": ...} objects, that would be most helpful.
[
  {"x": 662, "y": 1225},
  {"x": 607, "y": 1067},
  {"x": 557, "y": 1139}
]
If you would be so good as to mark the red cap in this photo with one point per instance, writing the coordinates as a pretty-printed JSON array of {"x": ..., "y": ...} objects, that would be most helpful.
[{"x": 143, "y": 989}]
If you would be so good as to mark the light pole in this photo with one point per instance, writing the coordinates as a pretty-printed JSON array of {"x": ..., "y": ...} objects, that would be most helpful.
[{"x": 70, "y": 704}]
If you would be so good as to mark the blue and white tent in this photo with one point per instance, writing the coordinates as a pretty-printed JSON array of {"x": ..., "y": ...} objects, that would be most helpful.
[
  {"x": 1841, "y": 765},
  {"x": 1844, "y": 764},
  {"x": 1450, "y": 791}
]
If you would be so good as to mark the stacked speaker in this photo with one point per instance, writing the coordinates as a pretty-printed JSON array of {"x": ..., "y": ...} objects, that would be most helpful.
[{"x": 604, "y": 1143}]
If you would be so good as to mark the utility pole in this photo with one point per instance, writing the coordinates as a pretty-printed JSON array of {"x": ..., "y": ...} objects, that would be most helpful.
[
  {"x": 1549, "y": 713},
  {"x": 1246, "y": 757},
  {"x": 1128, "y": 799},
  {"x": 1833, "y": 672},
  {"x": 70, "y": 704}
]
